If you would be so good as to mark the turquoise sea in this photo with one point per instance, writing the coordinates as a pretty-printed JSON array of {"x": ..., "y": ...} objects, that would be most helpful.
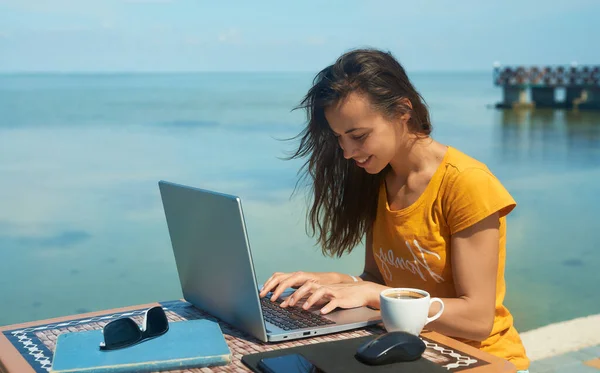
[{"x": 81, "y": 221}]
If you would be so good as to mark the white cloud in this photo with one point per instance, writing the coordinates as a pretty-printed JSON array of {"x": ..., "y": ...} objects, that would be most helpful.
[
  {"x": 231, "y": 36},
  {"x": 107, "y": 24}
]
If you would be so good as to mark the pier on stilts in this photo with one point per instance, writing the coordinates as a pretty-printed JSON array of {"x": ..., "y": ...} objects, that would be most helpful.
[{"x": 528, "y": 87}]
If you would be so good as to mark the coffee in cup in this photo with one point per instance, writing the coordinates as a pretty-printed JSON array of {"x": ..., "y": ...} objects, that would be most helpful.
[
  {"x": 404, "y": 294},
  {"x": 407, "y": 309}
]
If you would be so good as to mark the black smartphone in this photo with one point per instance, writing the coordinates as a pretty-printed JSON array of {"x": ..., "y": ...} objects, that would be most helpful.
[{"x": 291, "y": 363}]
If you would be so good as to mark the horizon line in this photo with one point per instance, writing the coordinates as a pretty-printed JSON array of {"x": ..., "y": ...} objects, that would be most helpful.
[{"x": 115, "y": 72}]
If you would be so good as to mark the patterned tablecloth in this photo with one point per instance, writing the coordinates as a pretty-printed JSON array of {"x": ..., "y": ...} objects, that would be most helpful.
[{"x": 36, "y": 344}]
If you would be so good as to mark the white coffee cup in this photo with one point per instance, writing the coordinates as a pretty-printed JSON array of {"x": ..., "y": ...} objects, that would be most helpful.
[{"x": 407, "y": 309}]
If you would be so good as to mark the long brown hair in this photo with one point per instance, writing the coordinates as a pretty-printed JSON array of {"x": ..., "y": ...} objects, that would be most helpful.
[{"x": 344, "y": 196}]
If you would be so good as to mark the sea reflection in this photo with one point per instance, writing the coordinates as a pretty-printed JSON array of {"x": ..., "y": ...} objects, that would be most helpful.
[
  {"x": 561, "y": 138},
  {"x": 550, "y": 162}
]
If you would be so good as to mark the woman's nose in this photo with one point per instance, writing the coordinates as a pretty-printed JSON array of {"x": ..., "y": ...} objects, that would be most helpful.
[{"x": 347, "y": 149}]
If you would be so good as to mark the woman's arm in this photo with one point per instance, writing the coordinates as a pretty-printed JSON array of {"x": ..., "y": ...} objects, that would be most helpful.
[
  {"x": 475, "y": 267},
  {"x": 371, "y": 271}
]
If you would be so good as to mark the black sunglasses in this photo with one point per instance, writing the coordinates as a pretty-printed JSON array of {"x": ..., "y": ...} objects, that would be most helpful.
[{"x": 125, "y": 332}]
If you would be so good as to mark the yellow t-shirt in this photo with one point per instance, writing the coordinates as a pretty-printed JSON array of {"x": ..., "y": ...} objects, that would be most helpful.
[{"x": 412, "y": 248}]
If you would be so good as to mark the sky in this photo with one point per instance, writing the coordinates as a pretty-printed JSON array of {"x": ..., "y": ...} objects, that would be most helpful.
[{"x": 285, "y": 35}]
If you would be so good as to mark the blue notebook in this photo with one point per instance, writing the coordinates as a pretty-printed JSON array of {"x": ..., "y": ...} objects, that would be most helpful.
[{"x": 187, "y": 344}]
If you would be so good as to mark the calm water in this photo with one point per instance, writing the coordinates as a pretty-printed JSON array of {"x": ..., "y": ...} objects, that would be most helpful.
[{"x": 82, "y": 226}]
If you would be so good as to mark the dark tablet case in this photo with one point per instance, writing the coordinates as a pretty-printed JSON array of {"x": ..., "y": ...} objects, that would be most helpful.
[{"x": 338, "y": 356}]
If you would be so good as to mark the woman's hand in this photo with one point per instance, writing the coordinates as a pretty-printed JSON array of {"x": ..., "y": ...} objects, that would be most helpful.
[
  {"x": 279, "y": 281},
  {"x": 349, "y": 295}
]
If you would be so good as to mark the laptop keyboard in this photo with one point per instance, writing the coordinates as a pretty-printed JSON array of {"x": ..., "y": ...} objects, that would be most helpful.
[{"x": 291, "y": 317}]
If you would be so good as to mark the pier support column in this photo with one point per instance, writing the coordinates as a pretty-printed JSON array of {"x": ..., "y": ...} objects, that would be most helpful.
[
  {"x": 514, "y": 95},
  {"x": 543, "y": 96}
]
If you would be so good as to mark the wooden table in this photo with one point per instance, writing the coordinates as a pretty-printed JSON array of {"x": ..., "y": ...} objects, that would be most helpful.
[{"x": 29, "y": 347}]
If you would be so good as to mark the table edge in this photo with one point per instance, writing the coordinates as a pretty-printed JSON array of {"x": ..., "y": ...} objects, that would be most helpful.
[
  {"x": 12, "y": 361},
  {"x": 53, "y": 320}
]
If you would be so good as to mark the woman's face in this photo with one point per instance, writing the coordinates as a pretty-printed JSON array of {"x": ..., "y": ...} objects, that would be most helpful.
[{"x": 364, "y": 134}]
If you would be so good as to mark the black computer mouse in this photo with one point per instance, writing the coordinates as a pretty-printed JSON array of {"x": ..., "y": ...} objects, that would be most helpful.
[{"x": 390, "y": 348}]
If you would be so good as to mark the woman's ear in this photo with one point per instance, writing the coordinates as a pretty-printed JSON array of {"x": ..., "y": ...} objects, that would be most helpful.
[
  {"x": 406, "y": 107},
  {"x": 405, "y": 102}
]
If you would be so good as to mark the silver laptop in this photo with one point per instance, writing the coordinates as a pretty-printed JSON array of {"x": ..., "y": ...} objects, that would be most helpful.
[{"x": 215, "y": 267}]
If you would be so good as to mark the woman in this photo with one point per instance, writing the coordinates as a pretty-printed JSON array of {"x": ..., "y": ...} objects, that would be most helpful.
[{"x": 433, "y": 217}]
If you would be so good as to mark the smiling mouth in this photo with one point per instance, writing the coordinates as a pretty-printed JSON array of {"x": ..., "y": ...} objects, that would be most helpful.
[{"x": 362, "y": 161}]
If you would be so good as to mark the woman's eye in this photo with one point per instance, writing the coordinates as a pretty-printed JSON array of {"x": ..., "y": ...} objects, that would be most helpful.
[{"x": 361, "y": 137}]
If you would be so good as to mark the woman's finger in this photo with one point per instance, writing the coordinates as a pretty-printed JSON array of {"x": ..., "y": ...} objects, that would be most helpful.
[
  {"x": 329, "y": 306},
  {"x": 271, "y": 283},
  {"x": 319, "y": 293},
  {"x": 299, "y": 294},
  {"x": 297, "y": 278}
]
